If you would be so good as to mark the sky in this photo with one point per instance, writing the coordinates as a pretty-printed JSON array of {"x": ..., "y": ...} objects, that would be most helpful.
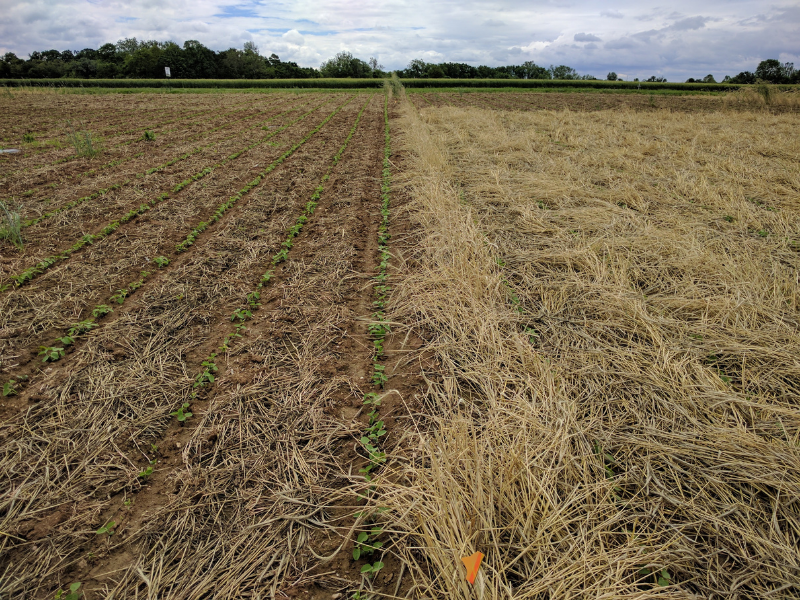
[{"x": 634, "y": 38}]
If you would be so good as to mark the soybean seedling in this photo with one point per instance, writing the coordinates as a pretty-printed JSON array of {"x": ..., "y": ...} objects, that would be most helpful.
[
  {"x": 149, "y": 136},
  {"x": 378, "y": 376},
  {"x": 8, "y": 387},
  {"x": 182, "y": 413},
  {"x": 147, "y": 472},
  {"x": 51, "y": 353},
  {"x": 365, "y": 543},
  {"x": 161, "y": 261},
  {"x": 370, "y": 570},
  {"x": 107, "y": 528},
  {"x": 71, "y": 595},
  {"x": 28, "y": 138},
  {"x": 101, "y": 311}
]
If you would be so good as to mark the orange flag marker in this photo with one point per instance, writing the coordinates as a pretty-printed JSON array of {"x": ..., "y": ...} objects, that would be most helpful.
[{"x": 472, "y": 563}]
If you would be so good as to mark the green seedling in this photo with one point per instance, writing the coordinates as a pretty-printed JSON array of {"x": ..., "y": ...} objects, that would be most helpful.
[
  {"x": 763, "y": 232},
  {"x": 67, "y": 340},
  {"x": 207, "y": 375},
  {"x": 8, "y": 387},
  {"x": 661, "y": 576},
  {"x": 375, "y": 431},
  {"x": 149, "y": 470},
  {"x": 28, "y": 138},
  {"x": 728, "y": 218},
  {"x": 107, "y": 528},
  {"x": 365, "y": 543},
  {"x": 378, "y": 375},
  {"x": 149, "y": 136},
  {"x": 253, "y": 298},
  {"x": 81, "y": 328},
  {"x": 154, "y": 448},
  {"x": 531, "y": 333},
  {"x": 372, "y": 399},
  {"x": 280, "y": 256},
  {"x": 371, "y": 570},
  {"x": 101, "y": 311},
  {"x": 182, "y": 413},
  {"x": 378, "y": 330},
  {"x": 161, "y": 261},
  {"x": 242, "y": 314},
  {"x": 51, "y": 353},
  {"x": 119, "y": 297},
  {"x": 71, "y": 595}
]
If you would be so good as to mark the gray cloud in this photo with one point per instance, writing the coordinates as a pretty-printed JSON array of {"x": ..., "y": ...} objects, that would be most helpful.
[
  {"x": 641, "y": 38},
  {"x": 690, "y": 24}
]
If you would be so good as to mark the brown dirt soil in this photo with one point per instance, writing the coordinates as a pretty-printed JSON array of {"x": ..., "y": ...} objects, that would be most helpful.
[
  {"x": 276, "y": 430},
  {"x": 44, "y": 308}
]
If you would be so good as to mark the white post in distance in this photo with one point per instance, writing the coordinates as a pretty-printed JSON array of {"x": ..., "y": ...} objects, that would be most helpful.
[{"x": 166, "y": 70}]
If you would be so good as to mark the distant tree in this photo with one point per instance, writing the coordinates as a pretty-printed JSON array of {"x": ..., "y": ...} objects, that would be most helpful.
[
  {"x": 611, "y": 76},
  {"x": 435, "y": 72},
  {"x": 128, "y": 46},
  {"x": 67, "y": 56},
  {"x": 563, "y": 72},
  {"x": 770, "y": 70},
  {"x": 745, "y": 77},
  {"x": 198, "y": 61},
  {"x": 655, "y": 79},
  {"x": 530, "y": 70},
  {"x": 692, "y": 80},
  {"x": 86, "y": 53},
  {"x": 49, "y": 55},
  {"x": 344, "y": 64},
  {"x": 727, "y": 79},
  {"x": 416, "y": 68},
  {"x": 108, "y": 53},
  {"x": 459, "y": 70},
  {"x": 709, "y": 79}
]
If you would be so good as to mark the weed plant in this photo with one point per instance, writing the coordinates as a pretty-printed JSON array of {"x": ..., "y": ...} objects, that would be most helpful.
[
  {"x": 11, "y": 225},
  {"x": 85, "y": 145}
]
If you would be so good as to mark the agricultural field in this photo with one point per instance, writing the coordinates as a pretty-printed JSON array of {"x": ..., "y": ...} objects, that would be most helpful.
[{"x": 324, "y": 344}]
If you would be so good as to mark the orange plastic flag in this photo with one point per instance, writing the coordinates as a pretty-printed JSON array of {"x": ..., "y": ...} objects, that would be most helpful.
[{"x": 472, "y": 563}]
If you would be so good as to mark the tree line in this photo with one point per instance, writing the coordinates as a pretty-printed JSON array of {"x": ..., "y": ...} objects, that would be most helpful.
[{"x": 130, "y": 58}]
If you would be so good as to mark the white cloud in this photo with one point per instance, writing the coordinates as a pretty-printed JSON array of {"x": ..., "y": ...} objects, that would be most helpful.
[
  {"x": 294, "y": 37},
  {"x": 640, "y": 37}
]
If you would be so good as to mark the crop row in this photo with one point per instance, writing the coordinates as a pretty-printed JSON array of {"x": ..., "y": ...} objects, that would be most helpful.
[
  {"x": 35, "y": 270},
  {"x": 208, "y": 366},
  {"x": 150, "y": 171},
  {"x": 367, "y": 542}
]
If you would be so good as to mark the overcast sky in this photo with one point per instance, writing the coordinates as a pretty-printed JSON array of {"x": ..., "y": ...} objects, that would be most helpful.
[{"x": 639, "y": 38}]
